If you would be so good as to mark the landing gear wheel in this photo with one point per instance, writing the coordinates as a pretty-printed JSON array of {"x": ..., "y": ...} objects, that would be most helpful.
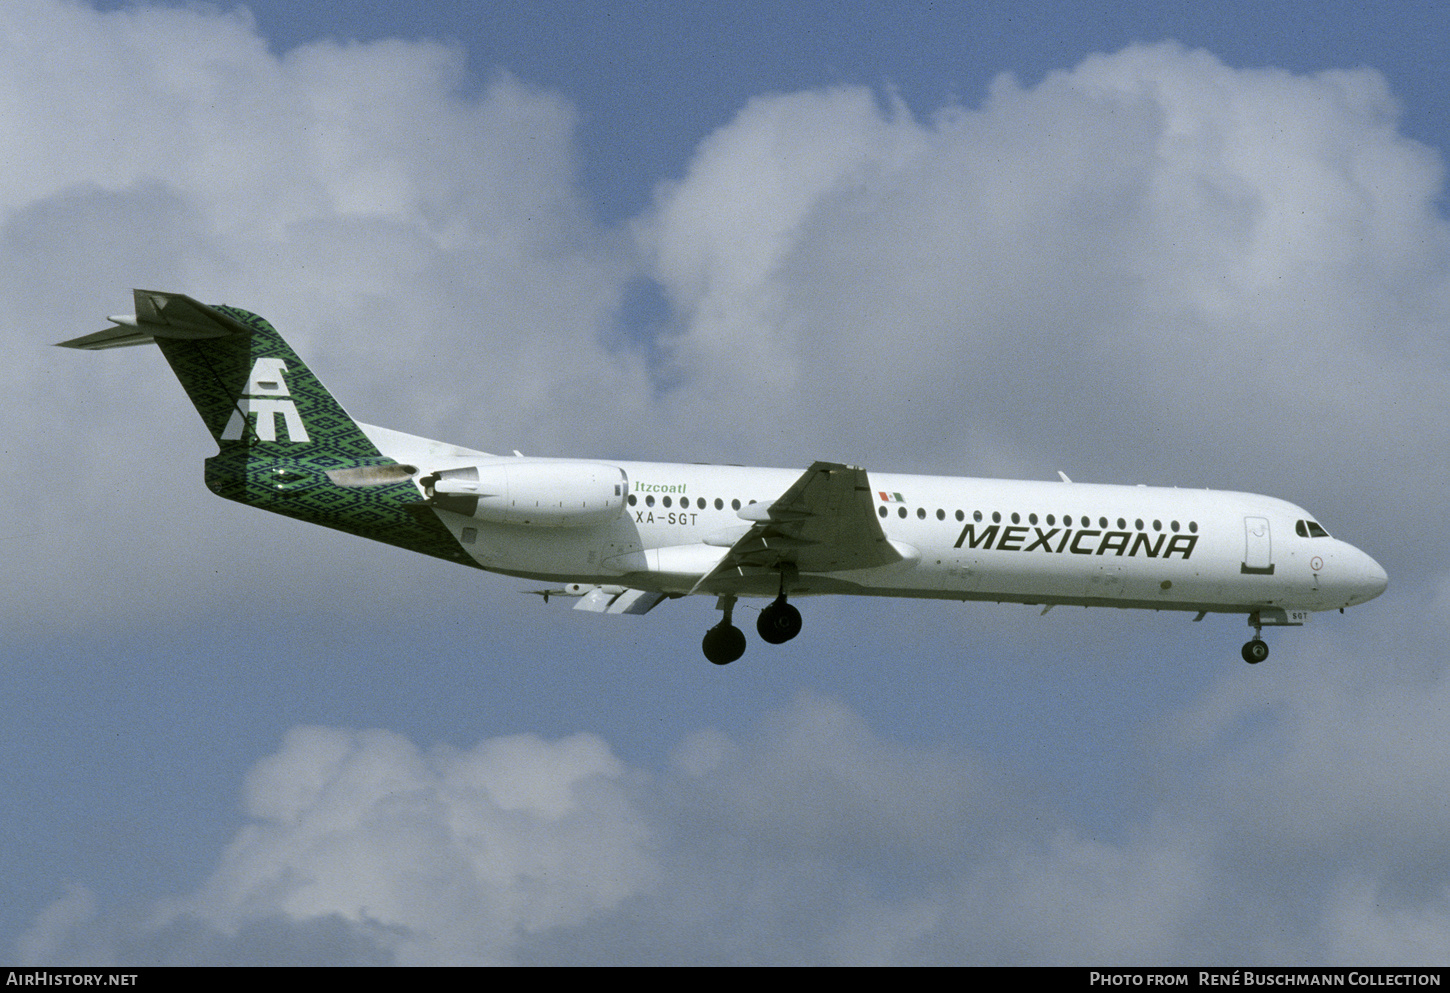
[
  {"x": 1255, "y": 651},
  {"x": 724, "y": 643},
  {"x": 779, "y": 623}
]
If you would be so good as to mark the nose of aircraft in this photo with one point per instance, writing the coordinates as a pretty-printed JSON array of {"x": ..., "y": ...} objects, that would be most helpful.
[{"x": 1367, "y": 578}]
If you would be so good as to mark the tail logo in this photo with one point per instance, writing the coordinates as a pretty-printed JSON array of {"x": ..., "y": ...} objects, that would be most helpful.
[{"x": 266, "y": 397}]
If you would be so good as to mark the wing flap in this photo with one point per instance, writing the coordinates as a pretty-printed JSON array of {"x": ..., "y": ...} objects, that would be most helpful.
[
  {"x": 613, "y": 600},
  {"x": 607, "y": 599}
]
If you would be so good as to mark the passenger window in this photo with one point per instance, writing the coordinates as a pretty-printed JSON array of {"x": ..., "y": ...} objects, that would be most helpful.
[{"x": 881, "y": 511}]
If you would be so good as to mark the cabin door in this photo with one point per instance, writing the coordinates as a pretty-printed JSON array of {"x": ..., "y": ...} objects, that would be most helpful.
[{"x": 1258, "y": 547}]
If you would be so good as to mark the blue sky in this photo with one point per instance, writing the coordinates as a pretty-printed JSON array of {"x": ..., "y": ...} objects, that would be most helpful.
[{"x": 1151, "y": 243}]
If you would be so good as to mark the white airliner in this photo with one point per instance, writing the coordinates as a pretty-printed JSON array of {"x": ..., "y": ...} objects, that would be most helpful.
[{"x": 621, "y": 537}]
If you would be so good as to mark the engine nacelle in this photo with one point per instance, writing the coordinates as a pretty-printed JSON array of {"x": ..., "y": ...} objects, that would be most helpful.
[{"x": 535, "y": 492}]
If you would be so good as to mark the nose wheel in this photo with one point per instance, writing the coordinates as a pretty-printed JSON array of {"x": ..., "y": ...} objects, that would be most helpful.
[{"x": 1255, "y": 649}]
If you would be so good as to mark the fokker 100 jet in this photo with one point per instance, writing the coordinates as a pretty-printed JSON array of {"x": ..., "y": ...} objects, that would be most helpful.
[{"x": 620, "y": 537}]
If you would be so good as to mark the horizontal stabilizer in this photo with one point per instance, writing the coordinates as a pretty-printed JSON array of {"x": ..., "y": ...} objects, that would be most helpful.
[
  {"x": 162, "y": 315},
  {"x": 117, "y": 337}
]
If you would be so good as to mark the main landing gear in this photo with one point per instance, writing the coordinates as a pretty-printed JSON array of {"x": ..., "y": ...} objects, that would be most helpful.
[
  {"x": 778, "y": 623},
  {"x": 724, "y": 643}
]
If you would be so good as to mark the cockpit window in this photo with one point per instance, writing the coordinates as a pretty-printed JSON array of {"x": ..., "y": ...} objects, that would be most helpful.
[{"x": 1308, "y": 529}]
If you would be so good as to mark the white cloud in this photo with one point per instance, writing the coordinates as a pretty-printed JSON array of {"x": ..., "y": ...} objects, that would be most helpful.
[
  {"x": 519, "y": 848},
  {"x": 812, "y": 840},
  {"x": 444, "y": 856},
  {"x": 418, "y": 237},
  {"x": 1152, "y": 262}
]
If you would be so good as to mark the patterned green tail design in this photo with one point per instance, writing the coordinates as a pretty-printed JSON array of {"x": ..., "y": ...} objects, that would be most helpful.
[
  {"x": 253, "y": 392},
  {"x": 287, "y": 446}
]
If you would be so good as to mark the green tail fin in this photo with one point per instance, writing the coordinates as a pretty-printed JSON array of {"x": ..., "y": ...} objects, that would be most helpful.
[
  {"x": 286, "y": 444},
  {"x": 250, "y": 388}
]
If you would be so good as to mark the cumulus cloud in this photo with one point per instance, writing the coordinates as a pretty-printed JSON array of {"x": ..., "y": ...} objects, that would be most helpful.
[
  {"x": 361, "y": 843},
  {"x": 418, "y": 234},
  {"x": 810, "y": 840},
  {"x": 789, "y": 845},
  {"x": 1150, "y": 263}
]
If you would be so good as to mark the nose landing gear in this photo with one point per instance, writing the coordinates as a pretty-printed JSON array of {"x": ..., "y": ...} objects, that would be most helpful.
[{"x": 1256, "y": 649}]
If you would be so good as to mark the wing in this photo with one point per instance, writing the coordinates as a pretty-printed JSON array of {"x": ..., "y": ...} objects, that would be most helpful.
[{"x": 825, "y": 522}]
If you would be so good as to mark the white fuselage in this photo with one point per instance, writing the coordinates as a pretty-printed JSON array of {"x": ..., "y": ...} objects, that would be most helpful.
[{"x": 957, "y": 538}]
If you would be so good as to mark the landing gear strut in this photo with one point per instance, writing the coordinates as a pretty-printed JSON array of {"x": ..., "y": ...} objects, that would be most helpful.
[
  {"x": 1255, "y": 649},
  {"x": 724, "y": 643},
  {"x": 780, "y": 622}
]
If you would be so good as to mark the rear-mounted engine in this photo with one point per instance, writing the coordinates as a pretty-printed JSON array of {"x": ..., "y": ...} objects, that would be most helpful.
[{"x": 536, "y": 492}]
